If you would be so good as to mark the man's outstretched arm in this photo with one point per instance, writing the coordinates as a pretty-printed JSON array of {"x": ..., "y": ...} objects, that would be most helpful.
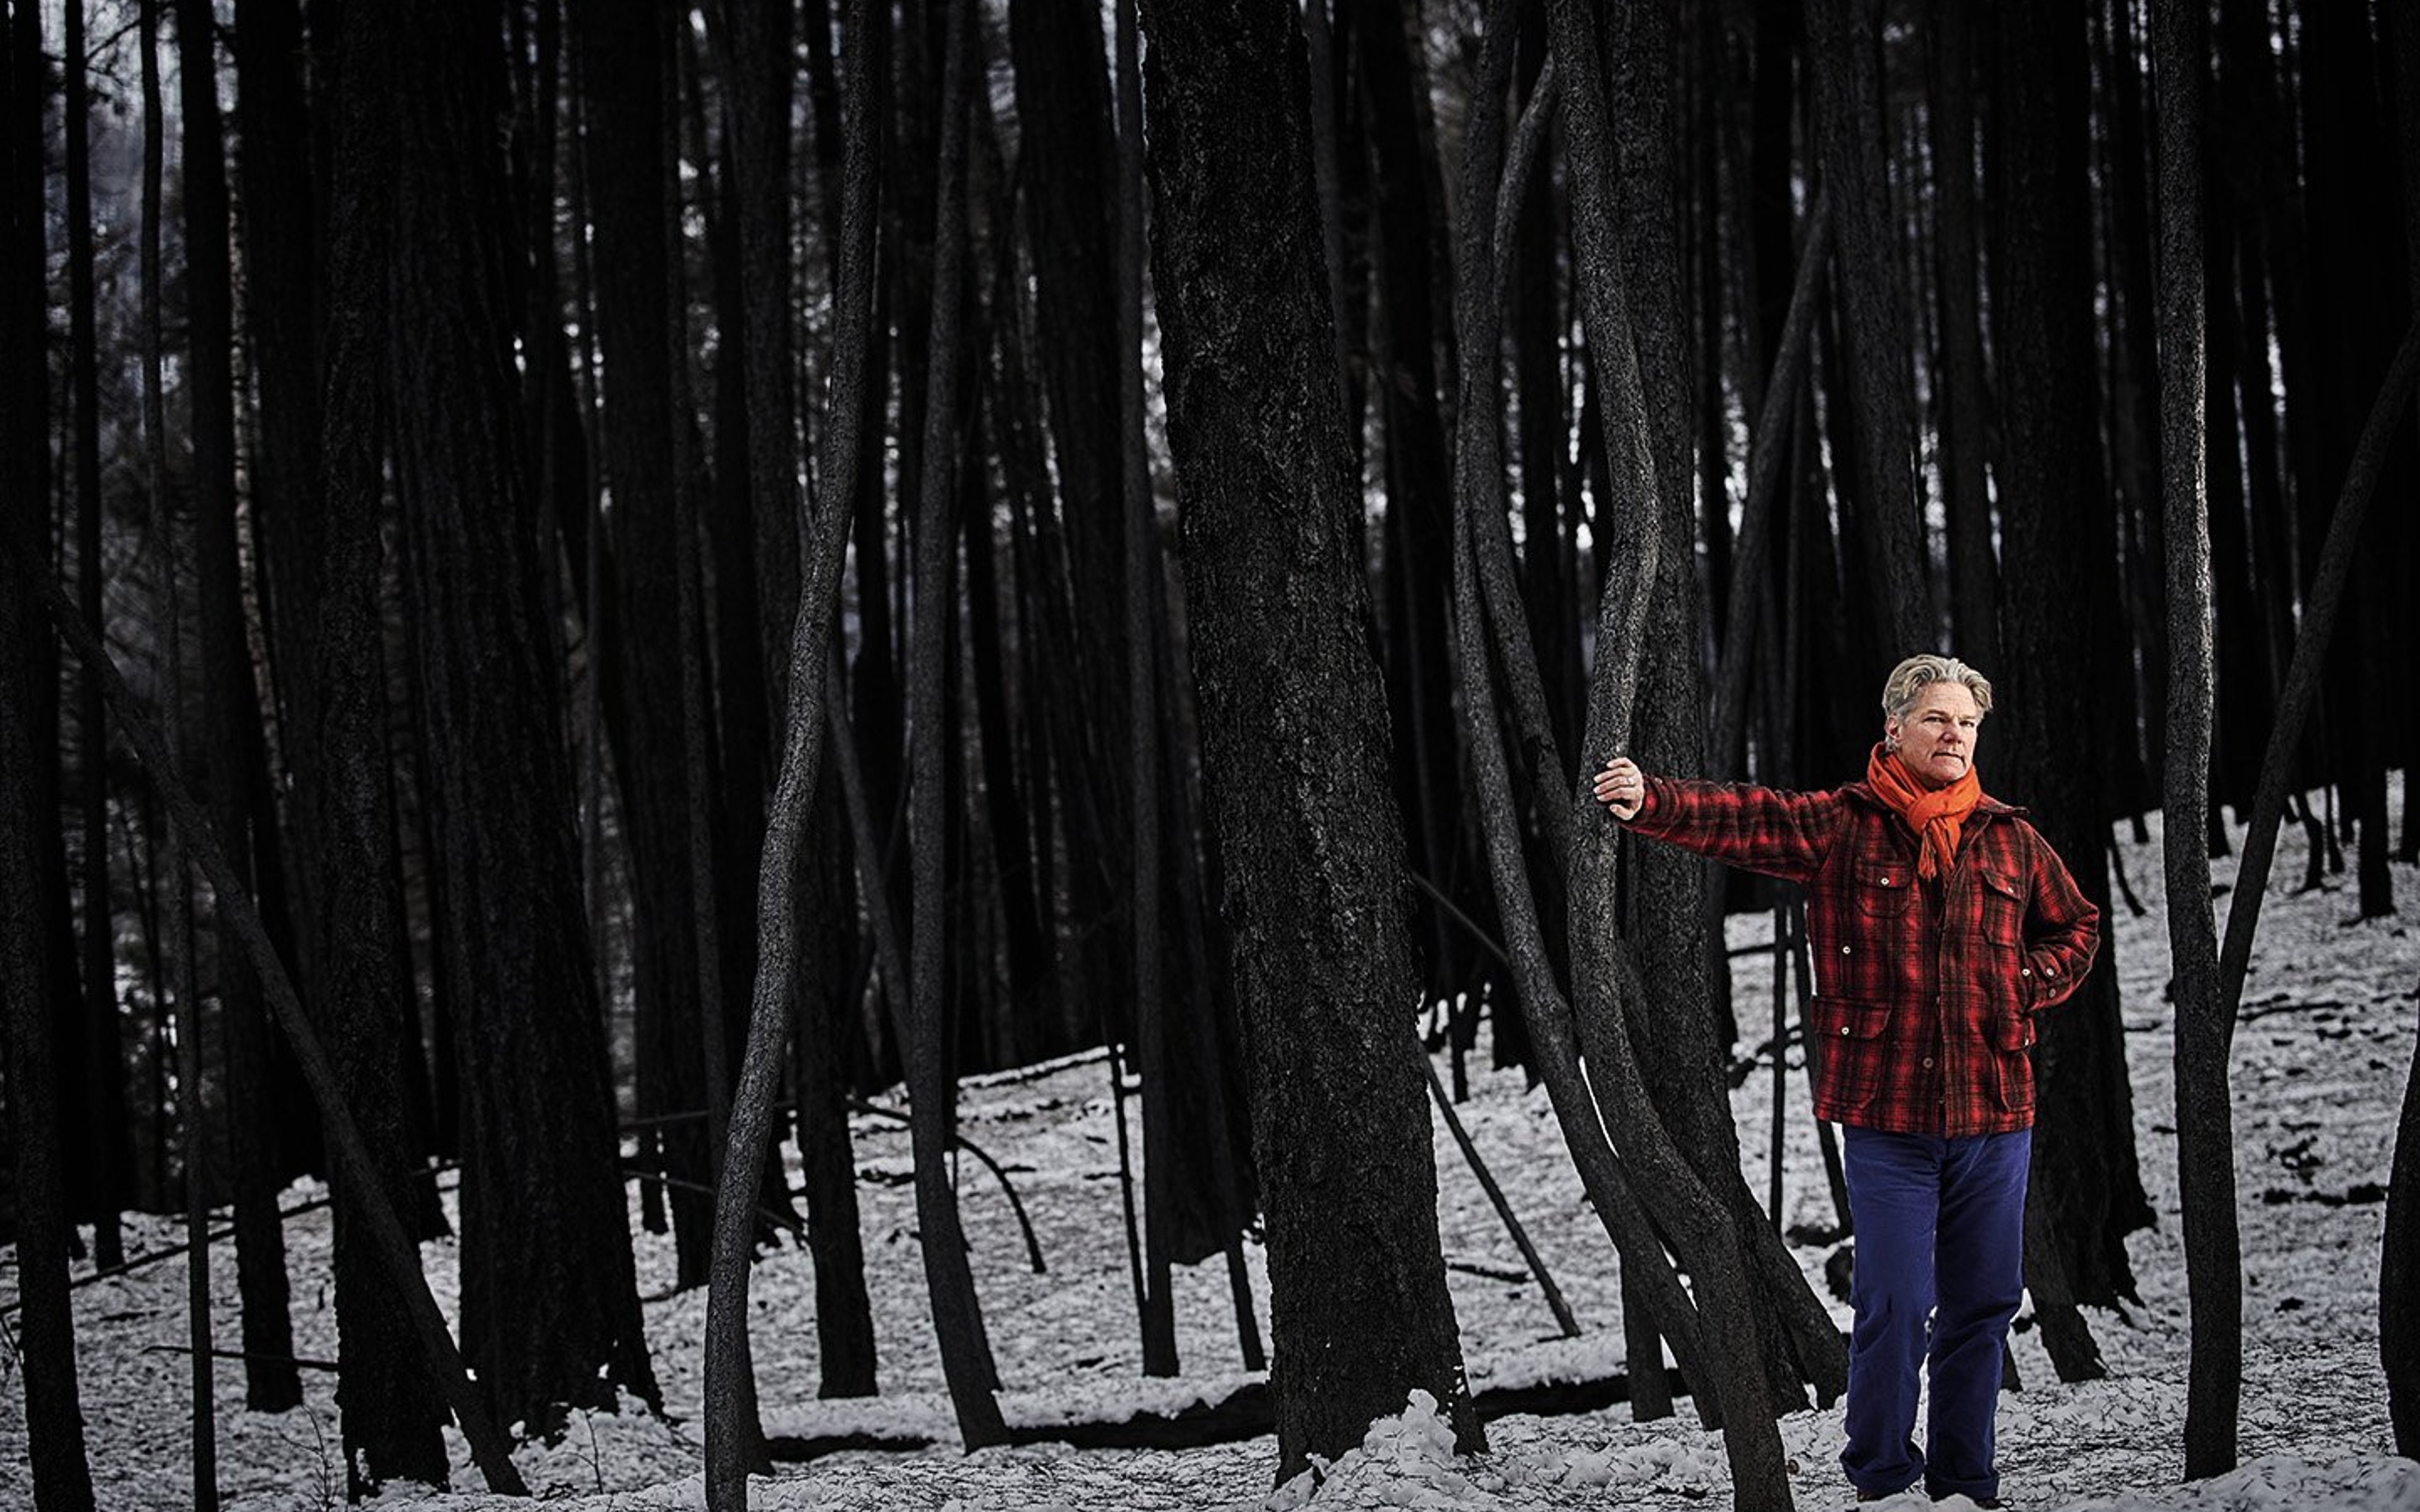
[{"x": 1784, "y": 835}]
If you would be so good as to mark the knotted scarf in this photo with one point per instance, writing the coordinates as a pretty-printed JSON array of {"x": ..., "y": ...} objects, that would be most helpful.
[{"x": 1936, "y": 814}]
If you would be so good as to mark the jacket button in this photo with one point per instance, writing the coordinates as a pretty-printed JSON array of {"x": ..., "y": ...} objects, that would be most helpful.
[
  {"x": 1844, "y": 950},
  {"x": 1844, "y": 1029},
  {"x": 2025, "y": 971},
  {"x": 1928, "y": 1062}
]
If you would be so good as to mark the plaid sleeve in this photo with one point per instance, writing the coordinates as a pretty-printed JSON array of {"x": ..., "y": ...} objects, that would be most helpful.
[
  {"x": 2062, "y": 932},
  {"x": 1784, "y": 835}
]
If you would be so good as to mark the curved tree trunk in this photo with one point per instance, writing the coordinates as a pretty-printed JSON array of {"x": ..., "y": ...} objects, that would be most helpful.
[
  {"x": 1654, "y": 1305},
  {"x": 730, "y": 1440},
  {"x": 1697, "y": 1222}
]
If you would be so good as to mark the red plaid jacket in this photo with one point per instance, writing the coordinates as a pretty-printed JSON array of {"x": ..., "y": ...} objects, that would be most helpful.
[{"x": 1924, "y": 993}]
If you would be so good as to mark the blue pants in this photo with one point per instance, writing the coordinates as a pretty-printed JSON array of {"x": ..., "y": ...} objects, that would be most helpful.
[{"x": 1940, "y": 1242}]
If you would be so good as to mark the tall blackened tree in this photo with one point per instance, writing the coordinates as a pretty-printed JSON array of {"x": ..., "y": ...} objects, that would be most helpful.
[
  {"x": 1067, "y": 163},
  {"x": 730, "y": 1436},
  {"x": 102, "y": 1138},
  {"x": 622, "y": 51},
  {"x": 232, "y": 762},
  {"x": 1674, "y": 1031},
  {"x": 2398, "y": 1261},
  {"x": 2058, "y": 603},
  {"x": 1408, "y": 282},
  {"x": 1294, "y": 733},
  {"x": 2205, "y": 1122},
  {"x": 1604, "y": 986},
  {"x": 32, "y": 885},
  {"x": 1959, "y": 379},
  {"x": 360, "y": 954},
  {"x": 957, "y": 1313},
  {"x": 550, "y": 1300},
  {"x": 760, "y": 91},
  {"x": 2355, "y": 282},
  {"x": 1845, "y": 36}
]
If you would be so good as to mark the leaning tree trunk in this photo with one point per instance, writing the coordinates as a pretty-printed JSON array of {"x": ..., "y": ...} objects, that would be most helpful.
[
  {"x": 1294, "y": 735},
  {"x": 1654, "y": 1301},
  {"x": 728, "y": 1389},
  {"x": 2205, "y": 1122},
  {"x": 1676, "y": 1035},
  {"x": 1697, "y": 1222}
]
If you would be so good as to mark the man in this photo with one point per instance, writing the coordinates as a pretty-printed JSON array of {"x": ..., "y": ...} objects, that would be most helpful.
[{"x": 1942, "y": 923}]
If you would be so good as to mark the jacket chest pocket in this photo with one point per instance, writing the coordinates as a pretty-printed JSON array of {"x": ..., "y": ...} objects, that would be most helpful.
[
  {"x": 1882, "y": 886},
  {"x": 2002, "y": 901}
]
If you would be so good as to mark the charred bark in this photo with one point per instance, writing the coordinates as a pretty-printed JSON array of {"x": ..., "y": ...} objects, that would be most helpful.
[{"x": 1294, "y": 733}]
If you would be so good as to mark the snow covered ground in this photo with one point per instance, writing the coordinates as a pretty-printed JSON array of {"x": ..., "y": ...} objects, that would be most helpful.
[{"x": 2321, "y": 1054}]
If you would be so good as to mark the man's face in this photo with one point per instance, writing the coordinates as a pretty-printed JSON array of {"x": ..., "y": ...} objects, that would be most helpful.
[{"x": 1936, "y": 739}]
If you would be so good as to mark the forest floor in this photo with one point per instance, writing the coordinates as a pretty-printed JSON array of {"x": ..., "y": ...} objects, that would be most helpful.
[{"x": 2321, "y": 1054}]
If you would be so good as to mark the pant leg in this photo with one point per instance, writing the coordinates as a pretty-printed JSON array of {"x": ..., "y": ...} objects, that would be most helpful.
[
  {"x": 1894, "y": 1184},
  {"x": 1981, "y": 1267}
]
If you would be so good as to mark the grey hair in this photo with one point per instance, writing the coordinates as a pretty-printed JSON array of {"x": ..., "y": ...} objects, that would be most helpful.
[{"x": 1910, "y": 677}]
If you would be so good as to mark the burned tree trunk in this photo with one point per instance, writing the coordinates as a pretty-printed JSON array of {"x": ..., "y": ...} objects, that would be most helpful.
[
  {"x": 1845, "y": 37},
  {"x": 1294, "y": 734},
  {"x": 2058, "y": 605},
  {"x": 1604, "y": 987},
  {"x": 2205, "y": 1122},
  {"x": 232, "y": 761},
  {"x": 624, "y": 77},
  {"x": 359, "y": 947},
  {"x": 731, "y": 1438},
  {"x": 550, "y": 1300},
  {"x": 32, "y": 884}
]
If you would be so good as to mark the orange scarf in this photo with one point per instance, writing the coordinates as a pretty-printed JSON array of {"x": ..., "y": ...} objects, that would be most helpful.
[{"x": 1936, "y": 814}]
